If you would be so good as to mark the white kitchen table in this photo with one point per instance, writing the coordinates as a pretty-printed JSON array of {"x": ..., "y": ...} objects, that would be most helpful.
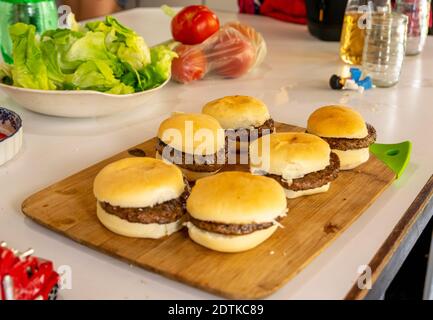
[{"x": 293, "y": 81}]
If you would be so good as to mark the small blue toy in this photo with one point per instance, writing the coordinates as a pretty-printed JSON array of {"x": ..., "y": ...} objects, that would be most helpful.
[
  {"x": 354, "y": 82},
  {"x": 356, "y": 74}
]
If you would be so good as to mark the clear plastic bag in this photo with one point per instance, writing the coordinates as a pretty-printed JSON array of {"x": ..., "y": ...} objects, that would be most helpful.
[{"x": 229, "y": 53}]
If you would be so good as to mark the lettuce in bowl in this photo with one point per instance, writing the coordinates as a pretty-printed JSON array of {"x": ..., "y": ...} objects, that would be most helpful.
[{"x": 103, "y": 55}]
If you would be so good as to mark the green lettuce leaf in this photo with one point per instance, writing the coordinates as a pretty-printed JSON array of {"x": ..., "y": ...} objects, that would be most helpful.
[
  {"x": 29, "y": 69},
  {"x": 104, "y": 56},
  {"x": 159, "y": 70},
  {"x": 121, "y": 88},
  {"x": 5, "y": 74},
  {"x": 93, "y": 75},
  {"x": 127, "y": 45},
  {"x": 52, "y": 60},
  {"x": 57, "y": 43}
]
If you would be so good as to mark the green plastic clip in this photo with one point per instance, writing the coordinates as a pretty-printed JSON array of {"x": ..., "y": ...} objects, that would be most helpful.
[{"x": 396, "y": 156}]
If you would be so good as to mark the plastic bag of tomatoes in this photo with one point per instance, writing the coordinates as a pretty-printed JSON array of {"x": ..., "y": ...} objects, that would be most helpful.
[{"x": 230, "y": 52}]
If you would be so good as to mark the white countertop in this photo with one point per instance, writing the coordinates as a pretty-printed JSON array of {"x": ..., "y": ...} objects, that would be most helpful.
[{"x": 293, "y": 82}]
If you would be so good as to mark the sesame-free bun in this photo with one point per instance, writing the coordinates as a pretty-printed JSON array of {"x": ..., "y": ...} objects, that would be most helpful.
[
  {"x": 236, "y": 198},
  {"x": 234, "y": 112},
  {"x": 337, "y": 122},
  {"x": 290, "y": 194},
  {"x": 289, "y": 154},
  {"x": 136, "y": 230},
  {"x": 189, "y": 175},
  {"x": 350, "y": 159},
  {"x": 228, "y": 243},
  {"x": 192, "y": 133},
  {"x": 138, "y": 182}
]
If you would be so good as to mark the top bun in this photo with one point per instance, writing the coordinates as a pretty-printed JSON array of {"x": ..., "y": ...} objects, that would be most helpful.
[
  {"x": 138, "y": 182},
  {"x": 237, "y": 198},
  {"x": 337, "y": 122},
  {"x": 289, "y": 154},
  {"x": 235, "y": 112},
  {"x": 192, "y": 133}
]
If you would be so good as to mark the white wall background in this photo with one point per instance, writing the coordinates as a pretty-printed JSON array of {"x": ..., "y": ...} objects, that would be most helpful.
[{"x": 222, "y": 5}]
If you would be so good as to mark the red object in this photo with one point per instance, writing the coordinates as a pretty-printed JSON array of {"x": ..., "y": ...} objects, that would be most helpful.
[
  {"x": 291, "y": 11},
  {"x": 24, "y": 277},
  {"x": 194, "y": 24},
  {"x": 191, "y": 64},
  {"x": 430, "y": 24},
  {"x": 232, "y": 56},
  {"x": 2, "y": 136}
]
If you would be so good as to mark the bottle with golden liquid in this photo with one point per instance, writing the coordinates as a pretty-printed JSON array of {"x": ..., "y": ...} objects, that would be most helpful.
[{"x": 356, "y": 21}]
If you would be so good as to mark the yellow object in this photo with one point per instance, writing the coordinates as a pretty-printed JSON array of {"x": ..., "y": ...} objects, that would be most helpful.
[
  {"x": 352, "y": 39},
  {"x": 235, "y": 197},
  {"x": 192, "y": 133},
  {"x": 290, "y": 155},
  {"x": 138, "y": 182},
  {"x": 337, "y": 122},
  {"x": 234, "y": 112}
]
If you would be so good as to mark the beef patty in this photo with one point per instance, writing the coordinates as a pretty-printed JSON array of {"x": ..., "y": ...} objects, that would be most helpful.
[
  {"x": 230, "y": 229},
  {"x": 208, "y": 163},
  {"x": 243, "y": 134},
  {"x": 166, "y": 212},
  {"x": 345, "y": 144},
  {"x": 314, "y": 179}
]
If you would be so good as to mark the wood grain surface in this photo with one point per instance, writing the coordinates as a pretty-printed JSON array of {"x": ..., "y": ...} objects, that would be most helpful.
[
  {"x": 313, "y": 222},
  {"x": 396, "y": 238}
]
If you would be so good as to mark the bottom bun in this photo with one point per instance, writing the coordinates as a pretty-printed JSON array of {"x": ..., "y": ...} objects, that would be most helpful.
[
  {"x": 294, "y": 194},
  {"x": 228, "y": 243},
  {"x": 350, "y": 159},
  {"x": 189, "y": 174},
  {"x": 136, "y": 230}
]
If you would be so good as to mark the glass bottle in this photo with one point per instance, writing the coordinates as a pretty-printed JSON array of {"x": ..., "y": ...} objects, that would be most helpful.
[
  {"x": 418, "y": 13},
  {"x": 384, "y": 48},
  {"x": 40, "y": 13},
  {"x": 356, "y": 19}
]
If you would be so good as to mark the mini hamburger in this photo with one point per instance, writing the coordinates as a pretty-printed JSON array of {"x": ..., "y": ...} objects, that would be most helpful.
[
  {"x": 301, "y": 163},
  {"x": 194, "y": 142},
  {"x": 345, "y": 131},
  {"x": 244, "y": 118},
  {"x": 141, "y": 197},
  {"x": 234, "y": 211}
]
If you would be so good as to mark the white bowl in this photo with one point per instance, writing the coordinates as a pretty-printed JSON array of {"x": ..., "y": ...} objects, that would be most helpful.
[
  {"x": 76, "y": 103},
  {"x": 11, "y": 125}
]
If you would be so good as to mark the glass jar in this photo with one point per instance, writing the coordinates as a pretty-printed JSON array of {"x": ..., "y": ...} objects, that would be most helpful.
[
  {"x": 384, "y": 48},
  {"x": 356, "y": 20},
  {"x": 418, "y": 12}
]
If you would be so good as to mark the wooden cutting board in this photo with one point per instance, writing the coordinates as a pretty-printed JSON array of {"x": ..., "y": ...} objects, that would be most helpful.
[{"x": 313, "y": 222}]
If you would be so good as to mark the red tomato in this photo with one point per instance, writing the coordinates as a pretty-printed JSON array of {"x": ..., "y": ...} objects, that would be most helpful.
[
  {"x": 191, "y": 64},
  {"x": 232, "y": 56},
  {"x": 194, "y": 24},
  {"x": 2, "y": 136}
]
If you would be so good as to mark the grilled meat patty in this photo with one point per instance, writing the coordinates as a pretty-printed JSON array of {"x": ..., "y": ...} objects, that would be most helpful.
[
  {"x": 230, "y": 229},
  {"x": 314, "y": 179},
  {"x": 345, "y": 144},
  {"x": 166, "y": 212},
  {"x": 243, "y": 134},
  {"x": 209, "y": 164}
]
